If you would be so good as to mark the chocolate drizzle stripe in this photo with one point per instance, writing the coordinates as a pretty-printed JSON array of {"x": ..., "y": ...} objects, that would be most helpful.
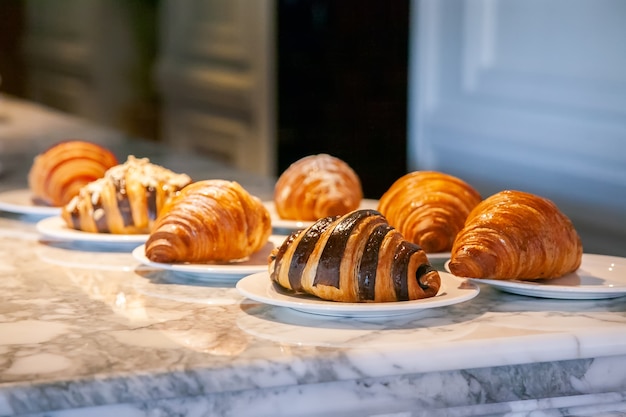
[
  {"x": 123, "y": 203},
  {"x": 304, "y": 249},
  {"x": 151, "y": 199},
  {"x": 399, "y": 269},
  {"x": 366, "y": 275},
  {"x": 280, "y": 253},
  {"x": 421, "y": 272},
  {"x": 328, "y": 267},
  {"x": 100, "y": 217}
]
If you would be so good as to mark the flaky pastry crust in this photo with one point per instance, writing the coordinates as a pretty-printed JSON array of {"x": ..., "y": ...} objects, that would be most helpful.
[
  {"x": 429, "y": 208},
  {"x": 57, "y": 174},
  {"x": 209, "y": 221},
  {"x": 516, "y": 235}
]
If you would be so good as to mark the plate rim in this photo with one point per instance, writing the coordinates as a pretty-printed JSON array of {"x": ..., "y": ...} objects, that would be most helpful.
[
  {"x": 294, "y": 225},
  {"x": 541, "y": 289},
  {"x": 319, "y": 306},
  {"x": 207, "y": 270},
  {"x": 47, "y": 228},
  {"x": 30, "y": 209}
]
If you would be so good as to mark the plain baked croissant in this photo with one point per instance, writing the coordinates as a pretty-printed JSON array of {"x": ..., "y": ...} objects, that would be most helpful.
[
  {"x": 516, "y": 235},
  {"x": 209, "y": 221},
  {"x": 429, "y": 208},
  {"x": 57, "y": 174},
  {"x": 357, "y": 257},
  {"x": 126, "y": 200},
  {"x": 317, "y": 186}
]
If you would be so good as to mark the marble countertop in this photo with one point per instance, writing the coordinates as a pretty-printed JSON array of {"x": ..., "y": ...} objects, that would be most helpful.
[{"x": 90, "y": 328}]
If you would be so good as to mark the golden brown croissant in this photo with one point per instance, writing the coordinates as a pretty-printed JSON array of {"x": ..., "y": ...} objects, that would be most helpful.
[
  {"x": 210, "y": 220},
  {"x": 516, "y": 235},
  {"x": 317, "y": 186},
  {"x": 357, "y": 257},
  {"x": 429, "y": 208},
  {"x": 61, "y": 171},
  {"x": 126, "y": 200}
]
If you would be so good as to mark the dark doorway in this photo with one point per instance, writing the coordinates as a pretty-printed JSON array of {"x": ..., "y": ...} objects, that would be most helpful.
[{"x": 342, "y": 85}]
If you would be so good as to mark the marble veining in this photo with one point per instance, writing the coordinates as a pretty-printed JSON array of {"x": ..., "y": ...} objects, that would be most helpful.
[{"x": 87, "y": 330}]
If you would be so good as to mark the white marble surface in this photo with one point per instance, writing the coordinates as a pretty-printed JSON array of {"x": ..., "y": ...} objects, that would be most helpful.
[{"x": 88, "y": 331}]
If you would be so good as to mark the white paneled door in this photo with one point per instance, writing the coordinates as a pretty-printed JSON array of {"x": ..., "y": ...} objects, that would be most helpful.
[{"x": 526, "y": 94}]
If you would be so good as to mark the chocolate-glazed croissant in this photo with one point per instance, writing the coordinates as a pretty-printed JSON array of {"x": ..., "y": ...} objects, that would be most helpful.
[
  {"x": 357, "y": 257},
  {"x": 429, "y": 208},
  {"x": 317, "y": 186},
  {"x": 208, "y": 221},
  {"x": 126, "y": 200},
  {"x": 516, "y": 235}
]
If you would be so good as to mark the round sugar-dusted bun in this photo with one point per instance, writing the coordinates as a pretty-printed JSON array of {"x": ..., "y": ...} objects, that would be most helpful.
[
  {"x": 61, "y": 171},
  {"x": 317, "y": 186}
]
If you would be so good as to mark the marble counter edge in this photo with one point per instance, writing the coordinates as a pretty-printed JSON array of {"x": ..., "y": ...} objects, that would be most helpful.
[{"x": 353, "y": 365}]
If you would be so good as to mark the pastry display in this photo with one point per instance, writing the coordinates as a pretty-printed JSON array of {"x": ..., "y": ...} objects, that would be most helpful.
[
  {"x": 62, "y": 170},
  {"x": 126, "y": 200},
  {"x": 317, "y": 186},
  {"x": 429, "y": 208},
  {"x": 516, "y": 235},
  {"x": 357, "y": 257},
  {"x": 209, "y": 221}
]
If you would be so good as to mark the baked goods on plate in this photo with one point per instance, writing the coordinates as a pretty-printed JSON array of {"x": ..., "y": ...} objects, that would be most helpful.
[
  {"x": 317, "y": 186},
  {"x": 126, "y": 200},
  {"x": 429, "y": 208},
  {"x": 357, "y": 257},
  {"x": 516, "y": 235},
  {"x": 209, "y": 220},
  {"x": 57, "y": 174}
]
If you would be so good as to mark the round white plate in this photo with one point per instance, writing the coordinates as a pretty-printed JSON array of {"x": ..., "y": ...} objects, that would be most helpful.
[
  {"x": 256, "y": 262},
  {"x": 259, "y": 287},
  {"x": 55, "y": 228},
  {"x": 599, "y": 276},
  {"x": 20, "y": 202},
  {"x": 292, "y": 225}
]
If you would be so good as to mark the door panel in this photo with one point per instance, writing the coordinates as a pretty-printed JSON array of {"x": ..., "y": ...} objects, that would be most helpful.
[{"x": 526, "y": 95}]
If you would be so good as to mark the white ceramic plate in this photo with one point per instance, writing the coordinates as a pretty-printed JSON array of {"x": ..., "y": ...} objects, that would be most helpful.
[
  {"x": 256, "y": 262},
  {"x": 259, "y": 287},
  {"x": 599, "y": 276},
  {"x": 55, "y": 228},
  {"x": 292, "y": 225},
  {"x": 20, "y": 202}
]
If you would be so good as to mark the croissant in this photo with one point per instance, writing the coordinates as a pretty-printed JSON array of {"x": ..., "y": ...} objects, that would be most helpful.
[
  {"x": 516, "y": 235},
  {"x": 126, "y": 200},
  {"x": 317, "y": 186},
  {"x": 429, "y": 208},
  {"x": 357, "y": 257},
  {"x": 57, "y": 174},
  {"x": 208, "y": 221}
]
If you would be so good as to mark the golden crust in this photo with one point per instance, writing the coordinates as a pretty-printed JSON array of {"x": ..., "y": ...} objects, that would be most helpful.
[
  {"x": 357, "y": 257},
  {"x": 208, "y": 221},
  {"x": 429, "y": 208},
  {"x": 58, "y": 174},
  {"x": 126, "y": 200},
  {"x": 516, "y": 235},
  {"x": 317, "y": 186}
]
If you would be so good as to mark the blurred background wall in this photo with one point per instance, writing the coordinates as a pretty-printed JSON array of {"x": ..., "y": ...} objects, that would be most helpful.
[
  {"x": 530, "y": 95},
  {"x": 524, "y": 94},
  {"x": 257, "y": 83}
]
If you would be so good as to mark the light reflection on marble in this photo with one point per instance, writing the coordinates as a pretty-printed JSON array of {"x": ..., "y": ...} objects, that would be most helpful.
[
  {"x": 88, "y": 331},
  {"x": 142, "y": 338}
]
